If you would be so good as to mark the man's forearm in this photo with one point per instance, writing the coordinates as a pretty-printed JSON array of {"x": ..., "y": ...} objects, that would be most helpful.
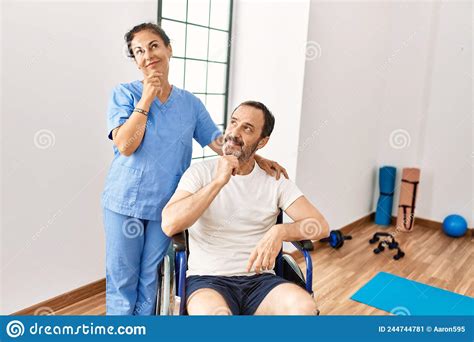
[
  {"x": 306, "y": 229},
  {"x": 182, "y": 214}
]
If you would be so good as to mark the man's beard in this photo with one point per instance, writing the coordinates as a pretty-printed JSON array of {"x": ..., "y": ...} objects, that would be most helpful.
[{"x": 243, "y": 154}]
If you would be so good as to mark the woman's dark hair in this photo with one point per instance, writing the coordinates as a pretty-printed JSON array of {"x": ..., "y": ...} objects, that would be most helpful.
[
  {"x": 144, "y": 26},
  {"x": 269, "y": 119}
]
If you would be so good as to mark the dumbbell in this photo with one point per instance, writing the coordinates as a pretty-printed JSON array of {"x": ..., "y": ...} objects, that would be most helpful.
[{"x": 336, "y": 239}]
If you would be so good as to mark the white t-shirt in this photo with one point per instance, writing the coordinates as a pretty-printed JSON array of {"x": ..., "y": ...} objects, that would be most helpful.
[{"x": 222, "y": 239}]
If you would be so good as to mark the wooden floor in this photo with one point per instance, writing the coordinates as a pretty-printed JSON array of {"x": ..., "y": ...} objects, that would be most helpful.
[{"x": 431, "y": 258}]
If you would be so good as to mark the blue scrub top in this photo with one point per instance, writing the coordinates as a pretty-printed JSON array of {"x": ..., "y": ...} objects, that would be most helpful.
[{"x": 140, "y": 185}]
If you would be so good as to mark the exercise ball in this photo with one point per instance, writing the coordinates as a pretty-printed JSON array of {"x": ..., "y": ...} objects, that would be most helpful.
[{"x": 454, "y": 226}]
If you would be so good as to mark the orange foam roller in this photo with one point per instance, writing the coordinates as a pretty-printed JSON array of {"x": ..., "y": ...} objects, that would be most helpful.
[{"x": 406, "y": 204}]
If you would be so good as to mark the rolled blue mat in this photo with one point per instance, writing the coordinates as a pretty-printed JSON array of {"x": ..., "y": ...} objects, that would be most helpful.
[{"x": 383, "y": 214}]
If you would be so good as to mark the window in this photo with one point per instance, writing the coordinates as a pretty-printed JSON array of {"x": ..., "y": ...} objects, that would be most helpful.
[{"x": 200, "y": 34}]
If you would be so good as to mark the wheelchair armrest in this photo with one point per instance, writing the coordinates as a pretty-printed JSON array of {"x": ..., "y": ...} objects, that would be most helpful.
[
  {"x": 179, "y": 242},
  {"x": 303, "y": 245}
]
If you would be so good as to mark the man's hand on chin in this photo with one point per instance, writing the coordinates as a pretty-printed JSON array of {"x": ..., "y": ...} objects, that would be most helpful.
[
  {"x": 264, "y": 254},
  {"x": 226, "y": 167}
]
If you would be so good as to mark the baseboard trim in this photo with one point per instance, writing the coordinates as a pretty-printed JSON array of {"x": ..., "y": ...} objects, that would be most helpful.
[
  {"x": 370, "y": 218},
  {"x": 65, "y": 299},
  {"x": 422, "y": 222}
]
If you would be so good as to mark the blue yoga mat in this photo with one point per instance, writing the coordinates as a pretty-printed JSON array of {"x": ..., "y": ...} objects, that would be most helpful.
[
  {"x": 401, "y": 296},
  {"x": 383, "y": 214}
]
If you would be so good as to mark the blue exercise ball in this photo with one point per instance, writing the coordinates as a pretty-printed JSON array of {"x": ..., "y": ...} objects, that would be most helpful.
[{"x": 454, "y": 226}]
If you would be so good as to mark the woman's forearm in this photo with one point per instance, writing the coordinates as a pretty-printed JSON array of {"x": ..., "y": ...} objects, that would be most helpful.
[
  {"x": 216, "y": 145},
  {"x": 129, "y": 136}
]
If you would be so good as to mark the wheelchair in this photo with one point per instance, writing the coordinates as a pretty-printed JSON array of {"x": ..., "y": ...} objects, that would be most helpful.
[{"x": 172, "y": 273}]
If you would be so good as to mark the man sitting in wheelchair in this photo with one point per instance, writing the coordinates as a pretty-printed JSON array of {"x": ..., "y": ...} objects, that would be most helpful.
[{"x": 230, "y": 205}]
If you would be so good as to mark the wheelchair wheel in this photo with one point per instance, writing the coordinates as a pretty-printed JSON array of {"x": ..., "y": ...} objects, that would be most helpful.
[
  {"x": 292, "y": 272},
  {"x": 166, "y": 290}
]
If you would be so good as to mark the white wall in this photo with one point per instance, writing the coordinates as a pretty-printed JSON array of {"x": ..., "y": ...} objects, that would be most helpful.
[
  {"x": 341, "y": 101},
  {"x": 267, "y": 65},
  {"x": 60, "y": 62},
  {"x": 405, "y": 71},
  {"x": 388, "y": 73},
  {"x": 427, "y": 106},
  {"x": 446, "y": 154}
]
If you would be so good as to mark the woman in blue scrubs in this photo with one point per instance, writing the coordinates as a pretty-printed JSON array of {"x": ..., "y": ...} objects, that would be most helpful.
[{"x": 152, "y": 125}]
